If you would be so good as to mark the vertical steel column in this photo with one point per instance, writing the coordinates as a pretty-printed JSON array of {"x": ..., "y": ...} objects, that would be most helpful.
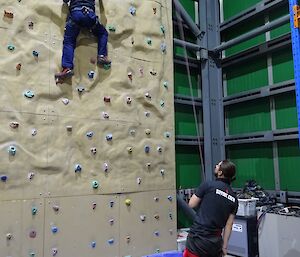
[
  {"x": 213, "y": 113},
  {"x": 296, "y": 56}
]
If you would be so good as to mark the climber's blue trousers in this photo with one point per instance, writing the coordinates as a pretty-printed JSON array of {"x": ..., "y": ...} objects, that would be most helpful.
[{"x": 76, "y": 20}]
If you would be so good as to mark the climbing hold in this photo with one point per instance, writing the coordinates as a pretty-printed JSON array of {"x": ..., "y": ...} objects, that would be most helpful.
[
  {"x": 54, "y": 251},
  {"x": 128, "y": 239},
  {"x": 154, "y": 10},
  {"x": 105, "y": 115},
  {"x": 148, "y": 96},
  {"x": 167, "y": 134},
  {"x": 19, "y": 66},
  {"x": 69, "y": 128},
  {"x": 95, "y": 184},
  {"x": 147, "y": 148},
  {"x": 141, "y": 70},
  {"x": 94, "y": 205},
  {"x": 93, "y": 150},
  {"x": 30, "y": 175},
  {"x": 32, "y": 234},
  {"x": 159, "y": 149},
  {"x": 153, "y": 72},
  {"x": 156, "y": 199},
  {"x": 170, "y": 198},
  {"x": 105, "y": 167},
  {"x": 106, "y": 66},
  {"x": 90, "y": 134},
  {"x": 111, "y": 204},
  {"x": 93, "y": 244},
  {"x": 34, "y": 210},
  {"x": 111, "y": 241},
  {"x": 157, "y": 250},
  {"x": 91, "y": 74},
  {"x": 77, "y": 168},
  {"x": 132, "y": 132},
  {"x": 35, "y": 53},
  {"x": 11, "y": 47},
  {"x": 65, "y": 101},
  {"x": 143, "y": 218},
  {"x": 156, "y": 216},
  {"x": 54, "y": 229},
  {"x": 12, "y": 150},
  {"x": 170, "y": 215},
  {"x": 163, "y": 47},
  {"x": 128, "y": 202},
  {"x": 162, "y": 172},
  {"x": 148, "y": 132},
  {"x": 32, "y": 254},
  {"x": 55, "y": 208},
  {"x": 171, "y": 231},
  {"x": 132, "y": 10},
  {"x": 128, "y": 100},
  {"x": 129, "y": 149},
  {"x": 109, "y": 137},
  {"x": 132, "y": 40},
  {"x": 162, "y": 103},
  {"x": 148, "y": 165},
  {"x": 106, "y": 99},
  {"x": 166, "y": 84},
  {"x": 111, "y": 28},
  {"x": 149, "y": 41},
  {"x": 30, "y": 25},
  {"x": 139, "y": 181},
  {"x": 147, "y": 114},
  {"x": 29, "y": 94},
  {"x": 129, "y": 76},
  {"x": 3, "y": 178},
  {"x": 8, "y": 236},
  {"x": 80, "y": 89},
  {"x": 33, "y": 132},
  {"x": 156, "y": 233},
  {"x": 162, "y": 29},
  {"x": 8, "y": 14},
  {"x": 14, "y": 124},
  {"x": 111, "y": 221}
]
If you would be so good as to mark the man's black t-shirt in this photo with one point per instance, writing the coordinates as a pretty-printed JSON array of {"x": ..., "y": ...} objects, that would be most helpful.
[{"x": 218, "y": 201}]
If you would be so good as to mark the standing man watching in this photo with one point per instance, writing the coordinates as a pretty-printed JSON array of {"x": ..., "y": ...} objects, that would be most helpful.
[{"x": 218, "y": 206}]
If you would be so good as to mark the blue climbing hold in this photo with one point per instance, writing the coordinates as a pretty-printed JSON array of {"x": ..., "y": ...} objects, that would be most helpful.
[
  {"x": 111, "y": 241},
  {"x": 170, "y": 198},
  {"x": 77, "y": 168},
  {"x": 35, "y": 53},
  {"x": 93, "y": 244},
  {"x": 34, "y": 210},
  {"x": 90, "y": 134},
  {"x": 132, "y": 10},
  {"x": 147, "y": 149},
  {"x": 91, "y": 74},
  {"x": 54, "y": 229},
  {"x": 109, "y": 137},
  {"x": 3, "y": 178},
  {"x": 29, "y": 94}
]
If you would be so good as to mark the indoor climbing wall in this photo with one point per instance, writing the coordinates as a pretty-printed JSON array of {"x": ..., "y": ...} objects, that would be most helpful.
[{"x": 87, "y": 166}]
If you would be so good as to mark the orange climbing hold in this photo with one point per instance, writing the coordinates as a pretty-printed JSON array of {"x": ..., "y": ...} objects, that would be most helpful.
[
  {"x": 19, "y": 66},
  {"x": 8, "y": 14}
]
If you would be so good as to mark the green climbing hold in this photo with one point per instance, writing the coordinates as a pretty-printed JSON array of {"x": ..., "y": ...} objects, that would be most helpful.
[
  {"x": 162, "y": 28},
  {"x": 11, "y": 47},
  {"x": 111, "y": 28},
  {"x": 106, "y": 66},
  {"x": 95, "y": 184},
  {"x": 34, "y": 210},
  {"x": 149, "y": 41}
]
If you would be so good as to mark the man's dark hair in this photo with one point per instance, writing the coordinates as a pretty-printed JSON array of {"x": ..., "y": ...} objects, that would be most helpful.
[{"x": 228, "y": 169}]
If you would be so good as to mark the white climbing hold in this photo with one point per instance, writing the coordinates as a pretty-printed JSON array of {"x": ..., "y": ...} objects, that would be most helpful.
[
  {"x": 33, "y": 132},
  {"x": 65, "y": 101}
]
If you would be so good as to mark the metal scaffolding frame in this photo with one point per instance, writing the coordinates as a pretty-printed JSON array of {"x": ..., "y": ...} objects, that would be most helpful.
[{"x": 213, "y": 102}]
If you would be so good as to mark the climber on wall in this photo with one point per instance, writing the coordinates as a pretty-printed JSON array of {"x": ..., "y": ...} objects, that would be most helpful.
[{"x": 82, "y": 15}]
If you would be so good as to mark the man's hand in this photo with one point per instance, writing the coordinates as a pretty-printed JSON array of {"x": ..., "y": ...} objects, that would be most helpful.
[
  {"x": 194, "y": 201},
  {"x": 224, "y": 251}
]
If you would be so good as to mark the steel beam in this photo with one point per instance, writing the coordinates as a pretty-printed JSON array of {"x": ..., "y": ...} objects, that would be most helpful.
[
  {"x": 252, "y": 12},
  {"x": 191, "y": 46},
  {"x": 188, "y": 100},
  {"x": 187, "y": 19},
  {"x": 262, "y": 29}
]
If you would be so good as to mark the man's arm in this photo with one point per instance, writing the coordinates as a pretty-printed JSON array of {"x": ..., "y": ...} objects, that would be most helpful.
[
  {"x": 227, "y": 232},
  {"x": 194, "y": 201}
]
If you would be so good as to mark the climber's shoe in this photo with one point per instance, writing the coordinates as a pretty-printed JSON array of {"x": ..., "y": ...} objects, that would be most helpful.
[
  {"x": 65, "y": 73},
  {"x": 103, "y": 60}
]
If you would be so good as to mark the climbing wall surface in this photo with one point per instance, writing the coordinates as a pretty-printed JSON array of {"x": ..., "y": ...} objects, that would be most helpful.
[{"x": 87, "y": 165}]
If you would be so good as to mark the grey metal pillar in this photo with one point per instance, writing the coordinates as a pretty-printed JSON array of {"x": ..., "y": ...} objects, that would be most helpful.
[{"x": 212, "y": 93}]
